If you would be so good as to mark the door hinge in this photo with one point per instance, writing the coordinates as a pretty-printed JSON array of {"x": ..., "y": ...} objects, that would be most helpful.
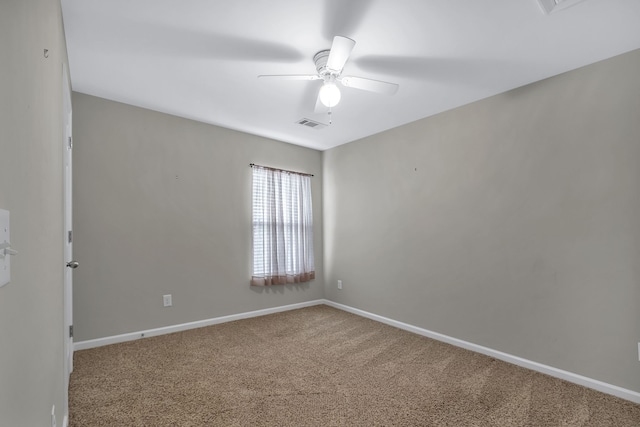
[
  {"x": 70, "y": 143},
  {"x": 70, "y": 331},
  {"x": 70, "y": 236}
]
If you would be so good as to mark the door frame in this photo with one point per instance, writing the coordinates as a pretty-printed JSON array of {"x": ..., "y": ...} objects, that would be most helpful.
[{"x": 67, "y": 157}]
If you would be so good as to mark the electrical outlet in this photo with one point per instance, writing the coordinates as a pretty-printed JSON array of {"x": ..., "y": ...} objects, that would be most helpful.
[
  {"x": 166, "y": 299},
  {"x": 339, "y": 284}
]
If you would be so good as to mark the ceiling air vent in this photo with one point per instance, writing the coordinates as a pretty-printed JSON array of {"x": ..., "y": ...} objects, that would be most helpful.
[
  {"x": 311, "y": 124},
  {"x": 550, "y": 6}
]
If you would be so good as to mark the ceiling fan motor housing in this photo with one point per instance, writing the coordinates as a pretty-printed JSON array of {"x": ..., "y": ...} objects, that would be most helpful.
[{"x": 320, "y": 59}]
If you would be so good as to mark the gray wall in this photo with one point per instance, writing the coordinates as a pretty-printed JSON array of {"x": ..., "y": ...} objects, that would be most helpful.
[
  {"x": 163, "y": 206},
  {"x": 512, "y": 222},
  {"x": 31, "y": 310}
]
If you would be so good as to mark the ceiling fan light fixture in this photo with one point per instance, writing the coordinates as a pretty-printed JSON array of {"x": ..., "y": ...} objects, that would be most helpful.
[{"x": 329, "y": 94}]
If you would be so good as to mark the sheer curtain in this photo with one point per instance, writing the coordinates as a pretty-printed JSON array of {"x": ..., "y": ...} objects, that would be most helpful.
[{"x": 282, "y": 227}]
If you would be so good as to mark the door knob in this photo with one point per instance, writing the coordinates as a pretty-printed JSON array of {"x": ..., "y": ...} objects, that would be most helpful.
[{"x": 73, "y": 264}]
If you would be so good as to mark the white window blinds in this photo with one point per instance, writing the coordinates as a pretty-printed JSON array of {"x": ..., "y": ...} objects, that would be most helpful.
[{"x": 282, "y": 227}]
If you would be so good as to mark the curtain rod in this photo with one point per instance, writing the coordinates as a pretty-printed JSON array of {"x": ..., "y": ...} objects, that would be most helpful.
[{"x": 280, "y": 170}]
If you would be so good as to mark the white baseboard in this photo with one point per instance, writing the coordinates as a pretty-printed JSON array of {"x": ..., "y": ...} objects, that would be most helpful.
[
  {"x": 535, "y": 366},
  {"x": 614, "y": 390},
  {"x": 99, "y": 342}
]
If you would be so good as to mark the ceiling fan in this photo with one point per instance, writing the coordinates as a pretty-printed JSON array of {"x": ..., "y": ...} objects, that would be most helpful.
[{"x": 329, "y": 65}]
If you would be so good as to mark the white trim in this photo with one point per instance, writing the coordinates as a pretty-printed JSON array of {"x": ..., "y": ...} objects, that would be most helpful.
[
  {"x": 535, "y": 366},
  {"x": 65, "y": 421},
  {"x": 99, "y": 342},
  {"x": 603, "y": 387}
]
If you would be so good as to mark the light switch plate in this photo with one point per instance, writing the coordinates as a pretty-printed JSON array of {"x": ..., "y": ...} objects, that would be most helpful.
[{"x": 5, "y": 260}]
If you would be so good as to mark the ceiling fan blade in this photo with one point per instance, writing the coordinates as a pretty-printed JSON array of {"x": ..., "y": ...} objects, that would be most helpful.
[
  {"x": 291, "y": 76},
  {"x": 340, "y": 51},
  {"x": 344, "y": 17},
  {"x": 369, "y": 85}
]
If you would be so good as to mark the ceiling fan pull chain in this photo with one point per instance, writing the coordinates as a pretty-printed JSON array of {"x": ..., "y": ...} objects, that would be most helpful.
[{"x": 329, "y": 113}]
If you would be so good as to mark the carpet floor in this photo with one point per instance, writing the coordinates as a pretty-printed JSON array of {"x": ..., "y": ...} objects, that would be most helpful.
[{"x": 320, "y": 366}]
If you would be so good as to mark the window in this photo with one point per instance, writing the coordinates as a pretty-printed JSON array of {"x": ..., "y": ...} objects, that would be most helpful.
[{"x": 282, "y": 227}]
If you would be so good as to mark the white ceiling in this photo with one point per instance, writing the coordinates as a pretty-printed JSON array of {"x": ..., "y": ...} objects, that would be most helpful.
[{"x": 200, "y": 59}]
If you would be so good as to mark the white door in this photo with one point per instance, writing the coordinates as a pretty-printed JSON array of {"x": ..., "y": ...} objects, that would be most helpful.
[{"x": 70, "y": 264}]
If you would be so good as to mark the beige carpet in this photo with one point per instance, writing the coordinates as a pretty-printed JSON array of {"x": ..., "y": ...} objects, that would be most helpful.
[{"x": 320, "y": 366}]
